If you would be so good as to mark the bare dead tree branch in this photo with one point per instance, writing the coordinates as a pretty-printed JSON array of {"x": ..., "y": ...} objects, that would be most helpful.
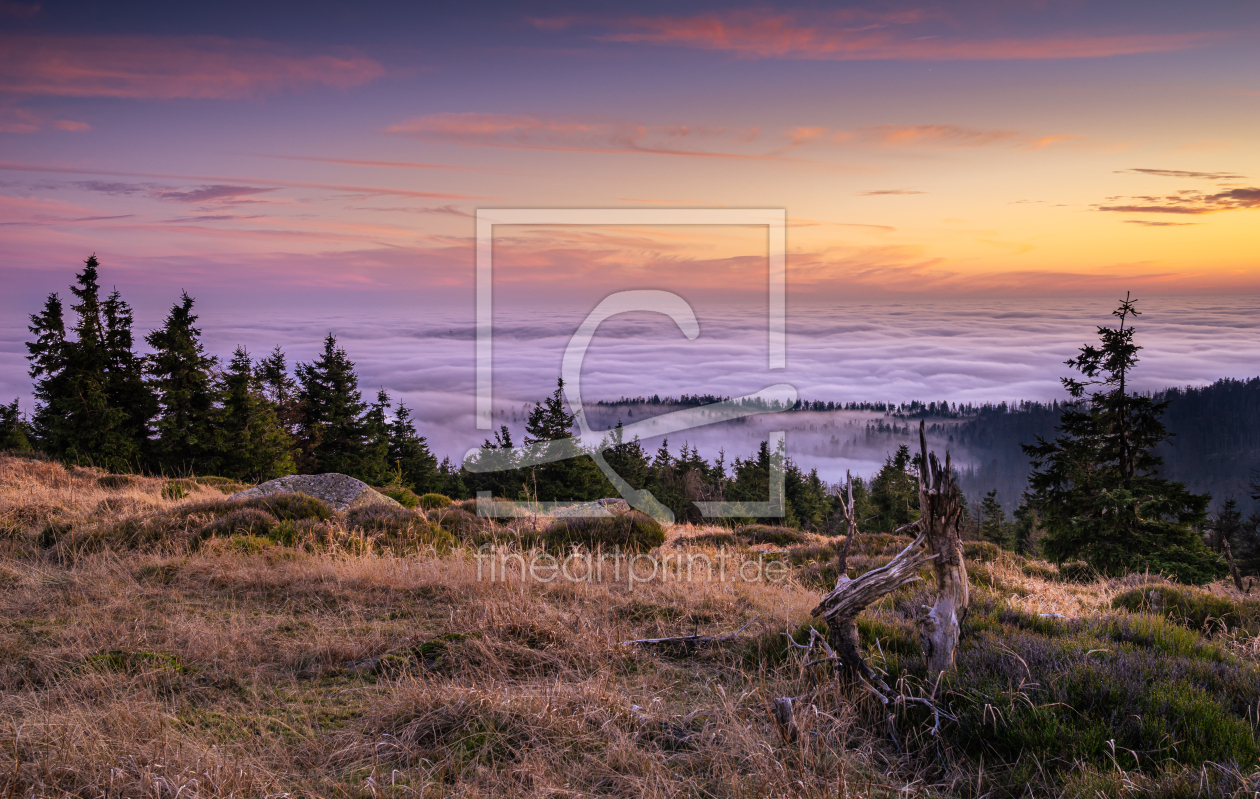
[{"x": 694, "y": 639}]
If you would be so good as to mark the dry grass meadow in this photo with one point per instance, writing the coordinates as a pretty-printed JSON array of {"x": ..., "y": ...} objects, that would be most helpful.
[{"x": 142, "y": 656}]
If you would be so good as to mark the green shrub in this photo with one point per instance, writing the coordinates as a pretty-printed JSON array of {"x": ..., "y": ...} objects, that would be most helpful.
[
  {"x": 242, "y": 521},
  {"x": 177, "y": 489},
  {"x": 401, "y": 494},
  {"x": 880, "y": 544},
  {"x": 1191, "y": 607},
  {"x": 1080, "y": 694},
  {"x": 1077, "y": 572},
  {"x": 291, "y": 506},
  {"x": 627, "y": 532},
  {"x": 981, "y": 551},
  {"x": 1040, "y": 572},
  {"x": 895, "y": 635},
  {"x": 709, "y": 540},
  {"x": 981, "y": 575},
  {"x": 225, "y": 485},
  {"x": 768, "y": 534},
  {"x": 814, "y": 553},
  {"x": 114, "y": 480},
  {"x": 251, "y": 544},
  {"x": 459, "y": 523},
  {"x": 400, "y": 529},
  {"x": 434, "y": 501}
]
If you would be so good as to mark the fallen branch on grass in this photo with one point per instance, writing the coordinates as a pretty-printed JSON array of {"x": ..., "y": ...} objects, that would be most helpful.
[{"x": 695, "y": 639}]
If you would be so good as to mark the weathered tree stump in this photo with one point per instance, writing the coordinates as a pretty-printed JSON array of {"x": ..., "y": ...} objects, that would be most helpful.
[{"x": 940, "y": 512}]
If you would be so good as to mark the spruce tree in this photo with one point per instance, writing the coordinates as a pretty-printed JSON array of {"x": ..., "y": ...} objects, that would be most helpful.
[
  {"x": 251, "y": 443},
  {"x": 331, "y": 429},
  {"x": 504, "y": 479},
  {"x": 626, "y": 458},
  {"x": 894, "y": 493},
  {"x": 751, "y": 482},
  {"x": 13, "y": 433},
  {"x": 1227, "y": 526},
  {"x": 48, "y": 355},
  {"x": 451, "y": 479},
  {"x": 125, "y": 385},
  {"x": 1026, "y": 529},
  {"x": 993, "y": 527},
  {"x": 1097, "y": 486},
  {"x": 280, "y": 389},
  {"x": 376, "y": 468},
  {"x": 806, "y": 497},
  {"x": 409, "y": 454},
  {"x": 571, "y": 479},
  {"x": 74, "y": 419},
  {"x": 187, "y": 394}
]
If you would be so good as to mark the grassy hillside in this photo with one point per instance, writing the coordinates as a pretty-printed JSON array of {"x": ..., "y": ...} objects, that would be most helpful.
[{"x": 157, "y": 639}]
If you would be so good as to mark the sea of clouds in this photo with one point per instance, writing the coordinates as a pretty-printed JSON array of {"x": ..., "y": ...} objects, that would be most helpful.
[{"x": 959, "y": 350}]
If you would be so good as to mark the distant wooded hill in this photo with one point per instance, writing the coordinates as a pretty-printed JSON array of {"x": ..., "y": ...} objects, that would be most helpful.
[{"x": 1215, "y": 446}]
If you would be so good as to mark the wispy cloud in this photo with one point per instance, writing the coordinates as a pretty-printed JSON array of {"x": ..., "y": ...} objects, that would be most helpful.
[
  {"x": 881, "y": 192},
  {"x": 382, "y": 164},
  {"x": 932, "y": 136},
  {"x": 854, "y": 35},
  {"x": 296, "y": 184},
  {"x": 15, "y": 119},
  {"x": 218, "y": 192},
  {"x": 169, "y": 67},
  {"x": 1184, "y": 173},
  {"x": 937, "y": 136},
  {"x": 572, "y": 134},
  {"x": 596, "y": 135},
  {"x": 1151, "y": 223},
  {"x": 1188, "y": 202}
]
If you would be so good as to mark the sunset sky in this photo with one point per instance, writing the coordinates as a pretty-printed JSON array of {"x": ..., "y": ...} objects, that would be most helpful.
[{"x": 313, "y": 160}]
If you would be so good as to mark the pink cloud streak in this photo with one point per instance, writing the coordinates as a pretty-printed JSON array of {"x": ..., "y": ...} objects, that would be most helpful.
[
  {"x": 564, "y": 134},
  {"x": 295, "y": 184},
  {"x": 762, "y": 34},
  {"x": 169, "y": 67}
]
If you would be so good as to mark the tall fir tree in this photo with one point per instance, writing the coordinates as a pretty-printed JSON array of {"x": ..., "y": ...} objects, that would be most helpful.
[
  {"x": 280, "y": 389},
  {"x": 125, "y": 385},
  {"x": 74, "y": 419},
  {"x": 626, "y": 458},
  {"x": 993, "y": 526},
  {"x": 894, "y": 493},
  {"x": 48, "y": 355},
  {"x": 751, "y": 482},
  {"x": 187, "y": 395},
  {"x": 376, "y": 468},
  {"x": 13, "y": 429},
  {"x": 806, "y": 497},
  {"x": 503, "y": 478},
  {"x": 251, "y": 443},
  {"x": 409, "y": 454},
  {"x": 451, "y": 480},
  {"x": 1026, "y": 530},
  {"x": 1097, "y": 486},
  {"x": 331, "y": 430},
  {"x": 571, "y": 479}
]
